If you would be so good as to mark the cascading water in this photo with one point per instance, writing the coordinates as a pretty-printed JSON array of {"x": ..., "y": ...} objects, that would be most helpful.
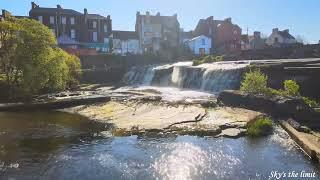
[{"x": 214, "y": 77}]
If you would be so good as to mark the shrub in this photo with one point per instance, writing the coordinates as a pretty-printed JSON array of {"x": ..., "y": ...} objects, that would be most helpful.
[
  {"x": 291, "y": 88},
  {"x": 261, "y": 127},
  {"x": 312, "y": 103},
  {"x": 208, "y": 59},
  {"x": 254, "y": 82}
]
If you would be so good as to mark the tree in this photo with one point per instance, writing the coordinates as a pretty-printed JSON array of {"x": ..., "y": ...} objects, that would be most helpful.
[
  {"x": 8, "y": 45},
  {"x": 32, "y": 62}
]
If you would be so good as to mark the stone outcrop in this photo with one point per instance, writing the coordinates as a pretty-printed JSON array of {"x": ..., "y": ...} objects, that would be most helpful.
[
  {"x": 276, "y": 106},
  {"x": 134, "y": 118},
  {"x": 52, "y": 105}
]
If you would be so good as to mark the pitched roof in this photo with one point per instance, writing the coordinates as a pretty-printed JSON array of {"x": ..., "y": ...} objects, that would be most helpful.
[
  {"x": 286, "y": 34},
  {"x": 55, "y": 10},
  {"x": 125, "y": 35},
  {"x": 187, "y": 35},
  {"x": 95, "y": 16},
  {"x": 199, "y": 37}
]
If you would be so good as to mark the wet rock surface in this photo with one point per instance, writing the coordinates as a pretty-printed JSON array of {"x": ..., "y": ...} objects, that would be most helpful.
[{"x": 150, "y": 118}]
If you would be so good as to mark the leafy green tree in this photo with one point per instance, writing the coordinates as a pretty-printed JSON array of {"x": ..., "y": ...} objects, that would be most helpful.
[
  {"x": 254, "y": 82},
  {"x": 31, "y": 61},
  {"x": 8, "y": 45},
  {"x": 73, "y": 63}
]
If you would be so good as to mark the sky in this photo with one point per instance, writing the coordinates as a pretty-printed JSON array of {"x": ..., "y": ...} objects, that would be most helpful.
[{"x": 302, "y": 17}]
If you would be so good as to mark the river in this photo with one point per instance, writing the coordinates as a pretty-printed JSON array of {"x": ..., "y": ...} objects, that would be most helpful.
[{"x": 56, "y": 145}]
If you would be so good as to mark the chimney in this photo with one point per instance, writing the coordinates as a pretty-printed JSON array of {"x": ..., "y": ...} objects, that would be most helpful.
[
  {"x": 257, "y": 34},
  {"x": 286, "y": 31},
  {"x": 275, "y": 30},
  {"x": 34, "y": 5},
  {"x": 108, "y": 17},
  {"x": 5, "y": 13},
  {"x": 148, "y": 13},
  {"x": 85, "y": 11},
  {"x": 175, "y": 15},
  {"x": 158, "y": 14},
  {"x": 228, "y": 20},
  {"x": 59, "y": 7},
  {"x": 138, "y": 13}
]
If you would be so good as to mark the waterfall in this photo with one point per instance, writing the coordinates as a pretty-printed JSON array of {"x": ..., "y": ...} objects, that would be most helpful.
[{"x": 214, "y": 77}]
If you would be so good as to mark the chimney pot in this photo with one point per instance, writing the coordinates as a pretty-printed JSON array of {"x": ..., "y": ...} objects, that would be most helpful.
[
  {"x": 5, "y": 13},
  {"x": 85, "y": 11},
  {"x": 228, "y": 20},
  {"x": 34, "y": 5},
  {"x": 59, "y": 7},
  {"x": 138, "y": 13},
  {"x": 158, "y": 14},
  {"x": 257, "y": 34},
  {"x": 275, "y": 30}
]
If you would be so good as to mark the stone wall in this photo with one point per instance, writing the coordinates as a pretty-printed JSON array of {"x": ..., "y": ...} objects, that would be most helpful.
[
  {"x": 111, "y": 68},
  {"x": 293, "y": 51}
]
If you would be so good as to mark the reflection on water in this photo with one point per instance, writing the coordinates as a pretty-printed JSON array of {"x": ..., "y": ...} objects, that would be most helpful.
[{"x": 51, "y": 145}]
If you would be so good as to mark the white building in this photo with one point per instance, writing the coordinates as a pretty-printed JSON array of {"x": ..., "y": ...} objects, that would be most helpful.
[
  {"x": 280, "y": 38},
  {"x": 126, "y": 42},
  {"x": 200, "y": 45}
]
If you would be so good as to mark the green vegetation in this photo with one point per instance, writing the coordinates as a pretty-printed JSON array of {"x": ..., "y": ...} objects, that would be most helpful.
[
  {"x": 312, "y": 103},
  {"x": 261, "y": 127},
  {"x": 291, "y": 88},
  {"x": 208, "y": 59},
  {"x": 30, "y": 61},
  {"x": 255, "y": 82}
]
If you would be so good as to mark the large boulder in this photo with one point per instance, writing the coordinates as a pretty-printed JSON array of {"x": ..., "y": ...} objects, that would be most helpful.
[{"x": 280, "y": 107}]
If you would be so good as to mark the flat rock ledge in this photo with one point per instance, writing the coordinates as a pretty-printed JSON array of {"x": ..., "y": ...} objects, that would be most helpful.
[{"x": 132, "y": 118}]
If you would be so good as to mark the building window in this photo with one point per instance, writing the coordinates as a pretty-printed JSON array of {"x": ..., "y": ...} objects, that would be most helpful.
[
  {"x": 73, "y": 34},
  {"x": 64, "y": 20},
  {"x": 105, "y": 28},
  {"x": 72, "y": 20},
  {"x": 276, "y": 40},
  {"x": 94, "y": 24},
  {"x": 94, "y": 36},
  {"x": 40, "y": 19},
  {"x": 53, "y": 31},
  {"x": 106, "y": 40},
  {"x": 51, "y": 19},
  {"x": 203, "y": 42}
]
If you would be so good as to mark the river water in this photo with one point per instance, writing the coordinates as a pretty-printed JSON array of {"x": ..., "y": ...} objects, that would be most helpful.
[{"x": 56, "y": 145}]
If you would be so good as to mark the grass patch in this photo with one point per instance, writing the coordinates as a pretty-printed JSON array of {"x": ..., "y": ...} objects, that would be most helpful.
[
  {"x": 261, "y": 127},
  {"x": 208, "y": 59}
]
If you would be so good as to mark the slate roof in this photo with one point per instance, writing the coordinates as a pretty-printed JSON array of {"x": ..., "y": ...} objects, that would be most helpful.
[
  {"x": 125, "y": 35},
  {"x": 55, "y": 10},
  {"x": 95, "y": 16},
  {"x": 286, "y": 34},
  {"x": 187, "y": 35}
]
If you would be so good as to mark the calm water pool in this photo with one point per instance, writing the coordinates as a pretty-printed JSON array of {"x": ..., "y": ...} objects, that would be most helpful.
[{"x": 55, "y": 145}]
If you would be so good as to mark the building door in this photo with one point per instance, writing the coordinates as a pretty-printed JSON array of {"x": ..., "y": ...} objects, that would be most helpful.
[{"x": 202, "y": 51}]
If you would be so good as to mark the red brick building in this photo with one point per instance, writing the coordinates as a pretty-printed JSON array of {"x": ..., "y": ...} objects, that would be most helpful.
[{"x": 226, "y": 36}]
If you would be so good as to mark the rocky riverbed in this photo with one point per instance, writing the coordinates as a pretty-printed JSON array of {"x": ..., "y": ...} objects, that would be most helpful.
[{"x": 136, "y": 118}]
